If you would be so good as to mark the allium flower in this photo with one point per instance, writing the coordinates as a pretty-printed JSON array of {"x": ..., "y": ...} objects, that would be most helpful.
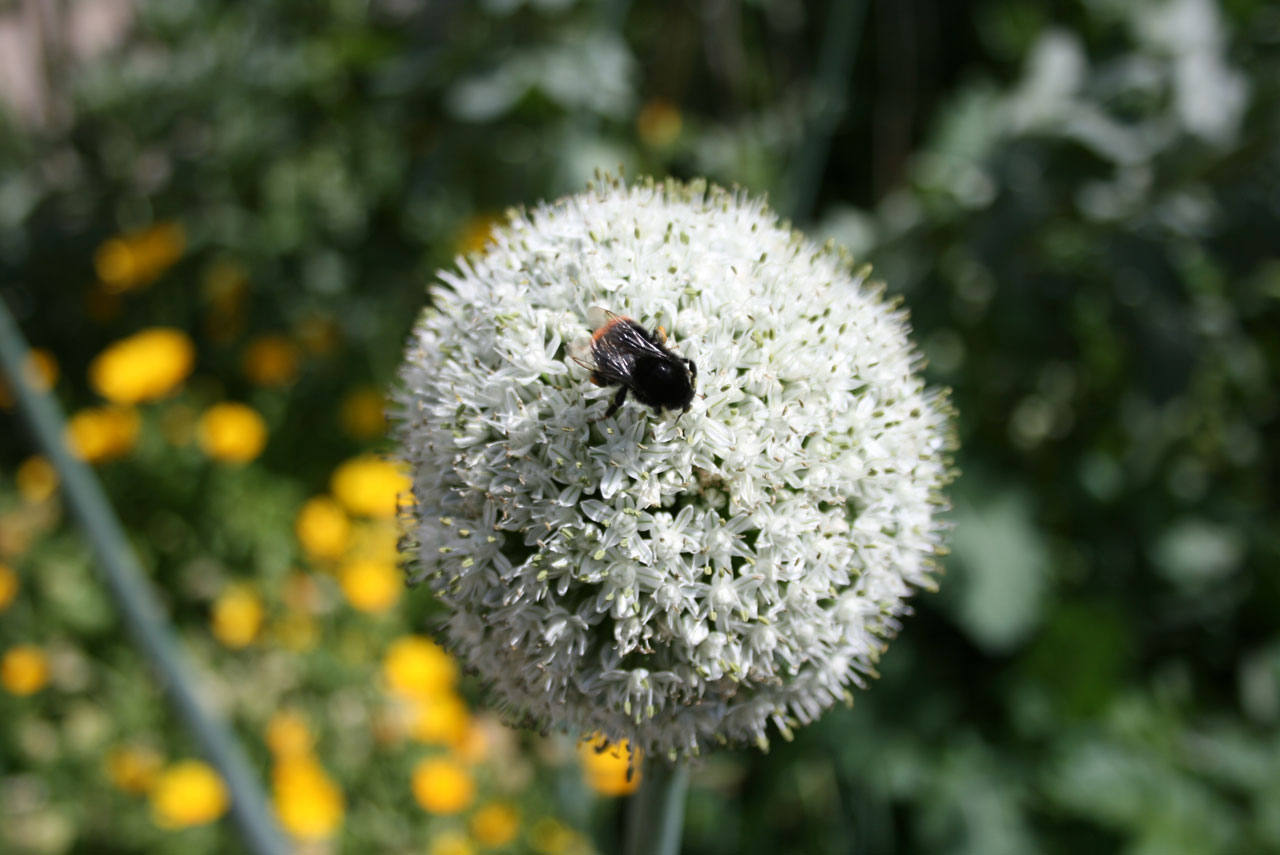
[{"x": 673, "y": 580}]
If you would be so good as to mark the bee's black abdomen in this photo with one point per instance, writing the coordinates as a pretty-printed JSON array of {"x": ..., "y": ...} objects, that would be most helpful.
[{"x": 663, "y": 384}]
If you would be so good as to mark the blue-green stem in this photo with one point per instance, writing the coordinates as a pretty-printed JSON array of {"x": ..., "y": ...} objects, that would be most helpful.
[
  {"x": 135, "y": 599},
  {"x": 655, "y": 814}
]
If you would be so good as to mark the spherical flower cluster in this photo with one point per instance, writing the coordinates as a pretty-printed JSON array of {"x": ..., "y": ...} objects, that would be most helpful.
[
  {"x": 24, "y": 669},
  {"x": 675, "y": 580},
  {"x": 188, "y": 793},
  {"x": 609, "y": 768},
  {"x": 99, "y": 434},
  {"x": 237, "y": 616},
  {"x": 271, "y": 360},
  {"x": 131, "y": 261},
  {"x": 232, "y": 432},
  {"x": 369, "y": 486},
  {"x": 9, "y": 584},
  {"x": 133, "y": 768},
  {"x": 143, "y": 367}
]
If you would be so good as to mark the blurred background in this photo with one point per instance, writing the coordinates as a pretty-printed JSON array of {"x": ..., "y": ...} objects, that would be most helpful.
[{"x": 217, "y": 222}]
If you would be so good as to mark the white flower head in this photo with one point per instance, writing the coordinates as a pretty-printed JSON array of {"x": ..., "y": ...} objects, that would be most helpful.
[{"x": 675, "y": 579}]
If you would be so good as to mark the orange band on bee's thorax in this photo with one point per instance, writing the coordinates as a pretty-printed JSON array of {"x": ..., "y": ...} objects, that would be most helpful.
[{"x": 613, "y": 322}]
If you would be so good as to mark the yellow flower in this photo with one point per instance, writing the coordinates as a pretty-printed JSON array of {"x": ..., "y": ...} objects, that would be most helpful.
[
  {"x": 24, "y": 670},
  {"x": 188, "y": 793},
  {"x": 36, "y": 479},
  {"x": 9, "y": 585},
  {"x": 319, "y": 334},
  {"x": 271, "y": 360},
  {"x": 143, "y": 367},
  {"x": 658, "y": 123},
  {"x": 41, "y": 372},
  {"x": 442, "y": 786},
  {"x": 322, "y": 528},
  {"x": 361, "y": 413},
  {"x": 440, "y": 720},
  {"x": 371, "y": 586},
  {"x": 133, "y": 768},
  {"x": 310, "y": 805},
  {"x": 476, "y": 233},
  {"x": 450, "y": 842},
  {"x": 369, "y": 486},
  {"x": 288, "y": 734},
  {"x": 237, "y": 616},
  {"x": 98, "y": 434},
  {"x": 376, "y": 540},
  {"x": 418, "y": 667},
  {"x": 232, "y": 432},
  {"x": 611, "y": 769},
  {"x": 495, "y": 824},
  {"x": 131, "y": 261}
]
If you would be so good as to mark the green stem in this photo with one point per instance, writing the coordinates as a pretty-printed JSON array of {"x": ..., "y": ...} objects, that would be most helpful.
[
  {"x": 829, "y": 103},
  {"x": 141, "y": 610},
  {"x": 655, "y": 815}
]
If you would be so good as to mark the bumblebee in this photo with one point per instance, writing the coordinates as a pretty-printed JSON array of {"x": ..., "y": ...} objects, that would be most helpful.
[{"x": 623, "y": 353}]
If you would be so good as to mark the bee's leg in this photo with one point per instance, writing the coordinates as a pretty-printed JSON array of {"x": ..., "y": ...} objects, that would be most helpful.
[
  {"x": 661, "y": 333},
  {"x": 617, "y": 402}
]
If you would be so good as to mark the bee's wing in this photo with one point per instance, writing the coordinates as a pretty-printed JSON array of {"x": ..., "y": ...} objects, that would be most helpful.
[
  {"x": 580, "y": 352},
  {"x": 598, "y": 316}
]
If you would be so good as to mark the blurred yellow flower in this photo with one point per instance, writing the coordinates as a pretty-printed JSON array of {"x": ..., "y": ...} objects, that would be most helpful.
[
  {"x": 418, "y": 667},
  {"x": 495, "y": 824},
  {"x": 225, "y": 292},
  {"x": 361, "y": 413},
  {"x": 658, "y": 123},
  {"x": 131, "y": 261},
  {"x": 271, "y": 360},
  {"x": 9, "y": 585},
  {"x": 450, "y": 842},
  {"x": 369, "y": 486},
  {"x": 296, "y": 631},
  {"x": 98, "y": 434},
  {"x": 319, "y": 334},
  {"x": 188, "y": 793},
  {"x": 611, "y": 769},
  {"x": 36, "y": 479},
  {"x": 143, "y": 367},
  {"x": 371, "y": 586},
  {"x": 288, "y": 734},
  {"x": 133, "y": 768},
  {"x": 376, "y": 540},
  {"x": 237, "y": 616},
  {"x": 322, "y": 528},
  {"x": 442, "y": 786},
  {"x": 476, "y": 232},
  {"x": 310, "y": 805},
  {"x": 440, "y": 720},
  {"x": 24, "y": 670},
  {"x": 232, "y": 432},
  {"x": 41, "y": 372}
]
